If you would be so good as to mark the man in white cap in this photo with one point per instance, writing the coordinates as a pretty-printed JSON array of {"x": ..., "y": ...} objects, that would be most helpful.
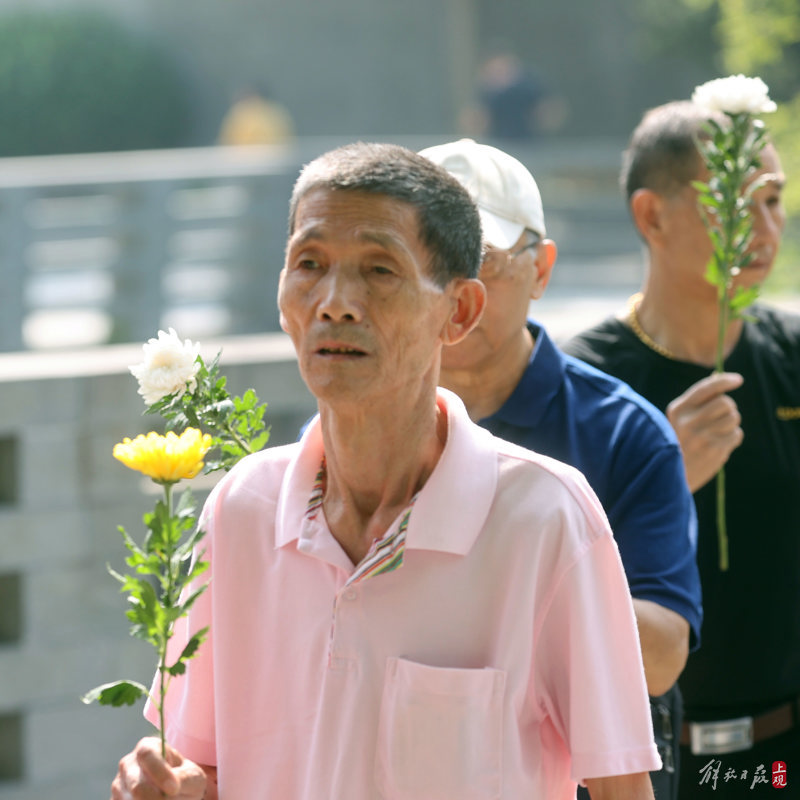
[{"x": 516, "y": 383}]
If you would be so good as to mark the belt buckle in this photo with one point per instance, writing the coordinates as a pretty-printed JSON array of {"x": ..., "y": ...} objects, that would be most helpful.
[{"x": 728, "y": 736}]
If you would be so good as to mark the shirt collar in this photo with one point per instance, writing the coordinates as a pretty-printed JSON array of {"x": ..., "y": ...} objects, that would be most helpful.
[{"x": 451, "y": 507}]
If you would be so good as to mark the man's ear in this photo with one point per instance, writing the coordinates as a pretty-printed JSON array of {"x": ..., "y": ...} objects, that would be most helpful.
[
  {"x": 646, "y": 208},
  {"x": 469, "y": 300},
  {"x": 546, "y": 254}
]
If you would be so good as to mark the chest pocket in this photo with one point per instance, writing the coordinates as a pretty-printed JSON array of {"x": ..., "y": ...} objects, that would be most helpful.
[{"x": 440, "y": 733}]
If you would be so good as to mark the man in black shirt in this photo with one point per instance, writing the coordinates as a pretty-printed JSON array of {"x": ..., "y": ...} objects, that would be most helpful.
[{"x": 741, "y": 689}]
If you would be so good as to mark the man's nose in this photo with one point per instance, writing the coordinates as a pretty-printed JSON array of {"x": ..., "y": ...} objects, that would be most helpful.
[{"x": 342, "y": 297}]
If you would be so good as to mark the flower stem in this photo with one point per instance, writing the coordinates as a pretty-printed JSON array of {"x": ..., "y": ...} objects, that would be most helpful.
[
  {"x": 732, "y": 184},
  {"x": 722, "y": 528},
  {"x": 164, "y": 634},
  {"x": 719, "y": 366},
  {"x": 238, "y": 439},
  {"x": 162, "y": 695}
]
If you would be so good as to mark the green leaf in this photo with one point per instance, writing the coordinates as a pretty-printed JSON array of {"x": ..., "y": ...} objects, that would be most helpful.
[
  {"x": 178, "y": 668},
  {"x": 144, "y": 608},
  {"x": 224, "y": 407},
  {"x": 190, "y": 419},
  {"x": 135, "y": 586},
  {"x": 119, "y": 693},
  {"x": 711, "y": 201},
  {"x": 744, "y": 298},
  {"x": 186, "y": 504},
  {"x": 260, "y": 441},
  {"x": 130, "y": 543},
  {"x": 190, "y": 600},
  {"x": 197, "y": 569},
  {"x": 116, "y": 575},
  {"x": 189, "y": 651},
  {"x": 713, "y": 274},
  {"x": 246, "y": 402}
]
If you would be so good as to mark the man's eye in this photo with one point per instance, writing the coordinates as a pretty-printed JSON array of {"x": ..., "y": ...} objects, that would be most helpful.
[
  {"x": 381, "y": 270},
  {"x": 307, "y": 263}
]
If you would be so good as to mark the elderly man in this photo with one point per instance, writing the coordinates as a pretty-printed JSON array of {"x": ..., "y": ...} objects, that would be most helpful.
[
  {"x": 741, "y": 688},
  {"x": 400, "y": 604},
  {"x": 516, "y": 383}
]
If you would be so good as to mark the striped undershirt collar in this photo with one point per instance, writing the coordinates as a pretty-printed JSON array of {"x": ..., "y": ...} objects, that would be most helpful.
[{"x": 386, "y": 554}]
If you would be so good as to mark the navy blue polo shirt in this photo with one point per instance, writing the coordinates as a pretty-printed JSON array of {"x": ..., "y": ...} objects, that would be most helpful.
[{"x": 630, "y": 456}]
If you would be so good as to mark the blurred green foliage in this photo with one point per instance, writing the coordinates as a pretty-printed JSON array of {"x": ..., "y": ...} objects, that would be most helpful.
[
  {"x": 685, "y": 29},
  {"x": 78, "y": 81}
]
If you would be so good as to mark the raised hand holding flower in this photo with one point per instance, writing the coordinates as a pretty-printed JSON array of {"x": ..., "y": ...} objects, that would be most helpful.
[{"x": 731, "y": 155}]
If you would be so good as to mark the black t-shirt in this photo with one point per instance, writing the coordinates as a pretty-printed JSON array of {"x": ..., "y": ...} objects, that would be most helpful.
[{"x": 749, "y": 659}]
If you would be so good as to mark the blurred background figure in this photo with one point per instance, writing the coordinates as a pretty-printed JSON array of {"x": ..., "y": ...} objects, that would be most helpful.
[
  {"x": 255, "y": 118},
  {"x": 513, "y": 100}
]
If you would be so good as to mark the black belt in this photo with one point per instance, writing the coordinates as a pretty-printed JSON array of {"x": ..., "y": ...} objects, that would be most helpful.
[{"x": 732, "y": 735}]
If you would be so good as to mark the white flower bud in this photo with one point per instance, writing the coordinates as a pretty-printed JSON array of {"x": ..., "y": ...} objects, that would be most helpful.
[
  {"x": 169, "y": 367},
  {"x": 735, "y": 94}
]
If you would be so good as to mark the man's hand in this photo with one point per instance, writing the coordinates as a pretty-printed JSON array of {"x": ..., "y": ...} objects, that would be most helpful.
[
  {"x": 707, "y": 423},
  {"x": 145, "y": 775}
]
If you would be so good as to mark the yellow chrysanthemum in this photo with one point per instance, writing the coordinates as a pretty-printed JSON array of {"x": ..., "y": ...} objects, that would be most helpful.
[{"x": 165, "y": 459}]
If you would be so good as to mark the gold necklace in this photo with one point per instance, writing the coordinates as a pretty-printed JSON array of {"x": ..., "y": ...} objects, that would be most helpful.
[{"x": 636, "y": 327}]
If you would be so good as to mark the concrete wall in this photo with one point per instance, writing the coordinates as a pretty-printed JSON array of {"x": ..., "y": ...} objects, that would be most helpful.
[
  {"x": 353, "y": 67},
  {"x": 366, "y": 68},
  {"x": 62, "y": 496}
]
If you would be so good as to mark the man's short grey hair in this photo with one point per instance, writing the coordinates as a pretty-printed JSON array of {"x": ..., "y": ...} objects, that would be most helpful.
[
  {"x": 662, "y": 154},
  {"x": 449, "y": 225}
]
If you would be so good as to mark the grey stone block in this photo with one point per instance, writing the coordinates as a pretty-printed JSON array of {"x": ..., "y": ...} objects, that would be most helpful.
[
  {"x": 37, "y": 537},
  {"x": 30, "y": 401},
  {"x": 49, "y": 470},
  {"x": 40, "y": 675},
  {"x": 62, "y": 744}
]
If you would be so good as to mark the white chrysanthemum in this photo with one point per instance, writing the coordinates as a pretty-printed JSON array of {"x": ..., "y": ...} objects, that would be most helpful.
[
  {"x": 169, "y": 367},
  {"x": 735, "y": 94}
]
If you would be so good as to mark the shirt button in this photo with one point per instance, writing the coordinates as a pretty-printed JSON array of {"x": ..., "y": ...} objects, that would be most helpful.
[{"x": 350, "y": 594}]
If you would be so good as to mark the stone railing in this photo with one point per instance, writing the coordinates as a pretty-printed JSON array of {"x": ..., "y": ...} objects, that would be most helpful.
[
  {"x": 106, "y": 248},
  {"x": 109, "y": 247}
]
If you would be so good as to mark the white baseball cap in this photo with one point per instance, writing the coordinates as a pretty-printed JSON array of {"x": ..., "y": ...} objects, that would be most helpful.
[{"x": 505, "y": 192}]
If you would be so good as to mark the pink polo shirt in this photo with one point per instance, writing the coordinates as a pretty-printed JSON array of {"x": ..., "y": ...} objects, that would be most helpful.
[{"x": 500, "y": 659}]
